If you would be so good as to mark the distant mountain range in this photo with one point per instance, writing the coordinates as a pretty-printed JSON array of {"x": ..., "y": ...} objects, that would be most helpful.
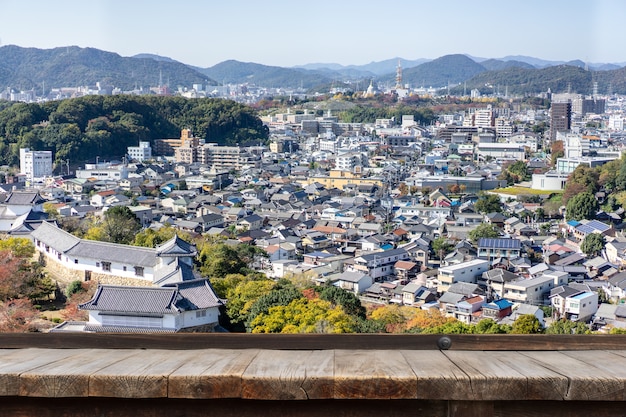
[{"x": 31, "y": 68}]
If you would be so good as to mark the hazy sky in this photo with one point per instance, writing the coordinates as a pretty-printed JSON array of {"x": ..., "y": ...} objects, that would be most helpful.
[{"x": 296, "y": 32}]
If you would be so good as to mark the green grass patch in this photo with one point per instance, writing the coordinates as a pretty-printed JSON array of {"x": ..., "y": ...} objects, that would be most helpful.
[{"x": 524, "y": 191}]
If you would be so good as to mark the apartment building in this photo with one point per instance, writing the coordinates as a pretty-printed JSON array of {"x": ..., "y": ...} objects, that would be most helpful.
[
  {"x": 35, "y": 164},
  {"x": 463, "y": 272}
]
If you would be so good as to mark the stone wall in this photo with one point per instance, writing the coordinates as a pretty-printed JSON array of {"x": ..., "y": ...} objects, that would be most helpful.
[{"x": 64, "y": 275}]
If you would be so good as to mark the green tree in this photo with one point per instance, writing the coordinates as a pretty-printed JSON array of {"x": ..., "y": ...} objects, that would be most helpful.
[
  {"x": 582, "y": 206},
  {"x": 348, "y": 301},
  {"x": 279, "y": 296},
  {"x": 441, "y": 246},
  {"x": 121, "y": 225},
  {"x": 483, "y": 230},
  {"x": 489, "y": 326},
  {"x": 242, "y": 298},
  {"x": 567, "y": 327},
  {"x": 592, "y": 244},
  {"x": 526, "y": 324},
  {"x": 216, "y": 260},
  {"x": 488, "y": 203}
]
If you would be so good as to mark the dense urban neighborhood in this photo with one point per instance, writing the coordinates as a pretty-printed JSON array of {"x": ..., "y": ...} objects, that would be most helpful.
[{"x": 384, "y": 210}]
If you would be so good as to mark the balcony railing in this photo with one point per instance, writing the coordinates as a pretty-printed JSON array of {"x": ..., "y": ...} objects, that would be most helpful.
[{"x": 312, "y": 375}]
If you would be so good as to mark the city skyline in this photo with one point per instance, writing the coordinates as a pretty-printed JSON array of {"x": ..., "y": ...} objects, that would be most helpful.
[{"x": 283, "y": 33}]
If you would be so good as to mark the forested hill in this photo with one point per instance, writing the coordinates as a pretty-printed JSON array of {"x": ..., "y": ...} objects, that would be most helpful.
[
  {"x": 78, "y": 129},
  {"x": 28, "y": 68}
]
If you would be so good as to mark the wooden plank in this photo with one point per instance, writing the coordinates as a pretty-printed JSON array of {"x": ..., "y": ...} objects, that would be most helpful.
[
  {"x": 438, "y": 378},
  {"x": 214, "y": 373},
  {"x": 140, "y": 376},
  {"x": 13, "y": 362},
  {"x": 365, "y": 374},
  {"x": 69, "y": 376},
  {"x": 586, "y": 381},
  {"x": 608, "y": 362},
  {"x": 507, "y": 376},
  {"x": 289, "y": 375},
  {"x": 180, "y": 341}
]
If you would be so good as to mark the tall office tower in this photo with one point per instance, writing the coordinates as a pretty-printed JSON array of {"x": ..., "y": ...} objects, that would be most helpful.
[{"x": 560, "y": 118}]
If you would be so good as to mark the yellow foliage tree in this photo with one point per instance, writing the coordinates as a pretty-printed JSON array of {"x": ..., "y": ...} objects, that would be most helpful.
[
  {"x": 304, "y": 316},
  {"x": 425, "y": 319},
  {"x": 241, "y": 298}
]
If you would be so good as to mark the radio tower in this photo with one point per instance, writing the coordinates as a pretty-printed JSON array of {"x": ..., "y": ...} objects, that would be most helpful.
[{"x": 399, "y": 76}]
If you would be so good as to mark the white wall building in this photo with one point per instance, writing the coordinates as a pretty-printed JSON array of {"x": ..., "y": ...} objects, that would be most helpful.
[
  {"x": 141, "y": 153},
  {"x": 35, "y": 164},
  {"x": 463, "y": 272}
]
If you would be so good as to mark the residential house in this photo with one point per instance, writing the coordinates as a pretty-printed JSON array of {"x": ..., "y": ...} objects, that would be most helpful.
[
  {"x": 573, "y": 304},
  {"x": 414, "y": 293},
  {"x": 406, "y": 271},
  {"x": 353, "y": 281},
  {"x": 497, "y": 309},
  {"x": 379, "y": 265},
  {"x": 463, "y": 272},
  {"x": 534, "y": 291},
  {"x": 491, "y": 248},
  {"x": 466, "y": 310},
  {"x": 251, "y": 222}
]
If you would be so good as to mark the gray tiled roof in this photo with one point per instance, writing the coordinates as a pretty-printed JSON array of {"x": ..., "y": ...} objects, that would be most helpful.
[
  {"x": 21, "y": 198},
  {"x": 154, "y": 301},
  {"x": 197, "y": 294},
  {"x": 176, "y": 247},
  {"x": 54, "y": 237},
  {"x": 112, "y": 252},
  {"x": 172, "y": 273}
]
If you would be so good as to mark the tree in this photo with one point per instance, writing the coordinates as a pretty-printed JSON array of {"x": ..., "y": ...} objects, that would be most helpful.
[
  {"x": 527, "y": 324},
  {"x": 441, "y": 246},
  {"x": 347, "y": 300},
  {"x": 17, "y": 316},
  {"x": 568, "y": 327},
  {"x": 242, "y": 298},
  {"x": 216, "y": 260},
  {"x": 592, "y": 244},
  {"x": 488, "y": 203},
  {"x": 304, "y": 316},
  {"x": 582, "y": 206},
  {"x": 483, "y": 230},
  {"x": 121, "y": 225}
]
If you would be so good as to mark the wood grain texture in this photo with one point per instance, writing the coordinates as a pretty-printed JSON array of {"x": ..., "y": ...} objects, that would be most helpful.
[
  {"x": 586, "y": 381},
  {"x": 214, "y": 373},
  {"x": 15, "y": 362},
  {"x": 364, "y": 374},
  {"x": 180, "y": 341},
  {"x": 507, "y": 376},
  {"x": 289, "y": 375},
  {"x": 438, "y": 378},
  {"x": 69, "y": 376},
  {"x": 144, "y": 375}
]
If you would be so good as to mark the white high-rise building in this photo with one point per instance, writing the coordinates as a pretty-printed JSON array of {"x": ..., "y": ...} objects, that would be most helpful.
[
  {"x": 35, "y": 164},
  {"x": 141, "y": 153}
]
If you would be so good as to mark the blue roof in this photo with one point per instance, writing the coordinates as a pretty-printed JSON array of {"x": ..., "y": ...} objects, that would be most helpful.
[
  {"x": 500, "y": 304},
  {"x": 573, "y": 223}
]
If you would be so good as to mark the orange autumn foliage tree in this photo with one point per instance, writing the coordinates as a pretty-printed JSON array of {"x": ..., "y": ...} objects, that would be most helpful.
[{"x": 425, "y": 319}]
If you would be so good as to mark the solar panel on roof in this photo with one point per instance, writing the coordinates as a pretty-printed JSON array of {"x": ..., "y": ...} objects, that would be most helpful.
[{"x": 499, "y": 243}]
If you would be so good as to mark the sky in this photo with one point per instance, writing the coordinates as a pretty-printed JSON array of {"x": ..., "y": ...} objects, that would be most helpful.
[{"x": 348, "y": 32}]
